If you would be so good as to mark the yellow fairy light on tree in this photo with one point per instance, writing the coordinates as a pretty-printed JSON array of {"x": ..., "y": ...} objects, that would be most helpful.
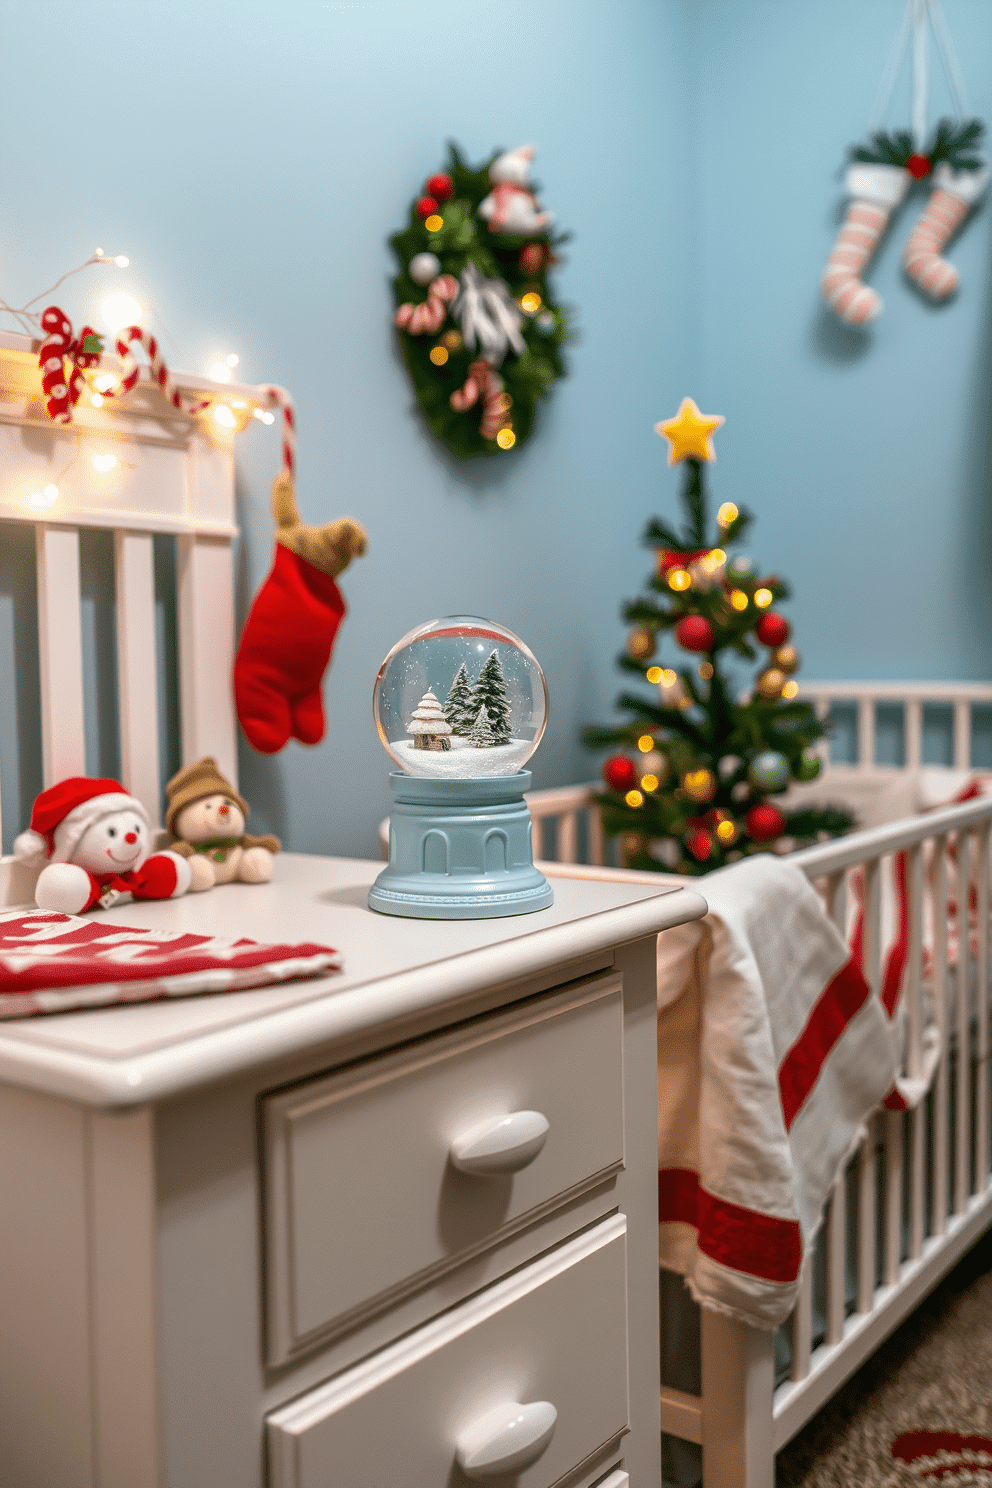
[
  {"x": 531, "y": 303},
  {"x": 640, "y": 644},
  {"x": 434, "y": 223},
  {"x": 727, "y": 513},
  {"x": 679, "y": 579},
  {"x": 634, "y": 798},
  {"x": 706, "y": 670},
  {"x": 439, "y": 355},
  {"x": 645, "y": 743},
  {"x": 649, "y": 782},
  {"x": 738, "y": 599},
  {"x": 506, "y": 439},
  {"x": 717, "y": 557},
  {"x": 790, "y": 690},
  {"x": 699, "y": 785},
  {"x": 654, "y": 674},
  {"x": 726, "y": 831},
  {"x": 763, "y": 598}
]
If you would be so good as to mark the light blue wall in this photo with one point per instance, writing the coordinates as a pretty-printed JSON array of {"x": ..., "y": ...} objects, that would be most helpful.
[{"x": 252, "y": 160}]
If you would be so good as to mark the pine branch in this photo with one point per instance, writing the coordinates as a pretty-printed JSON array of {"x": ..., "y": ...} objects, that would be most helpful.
[
  {"x": 658, "y": 534},
  {"x": 659, "y": 717},
  {"x": 809, "y": 822}
]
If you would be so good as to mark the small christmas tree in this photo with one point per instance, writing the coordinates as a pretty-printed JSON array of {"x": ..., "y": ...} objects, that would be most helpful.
[
  {"x": 458, "y": 704},
  {"x": 481, "y": 735},
  {"x": 490, "y": 692},
  {"x": 693, "y": 791}
]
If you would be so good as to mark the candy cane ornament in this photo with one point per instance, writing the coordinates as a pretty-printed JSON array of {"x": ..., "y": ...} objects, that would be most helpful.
[
  {"x": 278, "y": 397},
  {"x": 875, "y": 192},
  {"x": 430, "y": 313},
  {"x": 159, "y": 370},
  {"x": 955, "y": 193},
  {"x": 483, "y": 382}
]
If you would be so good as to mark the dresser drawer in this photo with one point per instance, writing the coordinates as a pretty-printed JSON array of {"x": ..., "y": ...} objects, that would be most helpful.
[
  {"x": 551, "y": 1337},
  {"x": 364, "y": 1199}
]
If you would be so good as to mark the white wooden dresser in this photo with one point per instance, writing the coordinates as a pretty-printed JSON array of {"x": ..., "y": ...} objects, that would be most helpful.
[{"x": 236, "y": 1248}]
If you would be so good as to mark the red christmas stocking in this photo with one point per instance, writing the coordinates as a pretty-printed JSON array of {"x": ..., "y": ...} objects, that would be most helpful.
[{"x": 287, "y": 639}]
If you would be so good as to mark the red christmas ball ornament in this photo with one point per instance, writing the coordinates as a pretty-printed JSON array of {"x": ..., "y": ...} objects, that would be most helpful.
[
  {"x": 918, "y": 166},
  {"x": 440, "y": 188},
  {"x": 700, "y": 844},
  {"x": 772, "y": 629},
  {"x": 694, "y": 633},
  {"x": 765, "y": 823},
  {"x": 619, "y": 773},
  {"x": 426, "y": 207},
  {"x": 533, "y": 257}
]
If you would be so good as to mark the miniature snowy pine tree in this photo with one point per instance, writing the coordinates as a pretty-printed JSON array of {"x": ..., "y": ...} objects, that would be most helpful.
[
  {"x": 458, "y": 708},
  {"x": 490, "y": 692},
  {"x": 481, "y": 735}
]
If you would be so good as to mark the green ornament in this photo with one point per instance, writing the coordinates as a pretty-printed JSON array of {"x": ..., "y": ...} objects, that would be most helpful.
[
  {"x": 809, "y": 765},
  {"x": 769, "y": 771}
]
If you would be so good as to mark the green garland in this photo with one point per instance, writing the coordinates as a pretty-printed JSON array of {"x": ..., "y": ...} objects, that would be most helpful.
[
  {"x": 464, "y": 239},
  {"x": 952, "y": 144}
]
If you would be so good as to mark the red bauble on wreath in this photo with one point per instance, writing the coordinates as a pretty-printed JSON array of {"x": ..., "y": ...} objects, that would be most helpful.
[
  {"x": 694, "y": 633},
  {"x": 765, "y": 823},
  {"x": 619, "y": 773},
  {"x": 440, "y": 187},
  {"x": 772, "y": 629},
  {"x": 426, "y": 206}
]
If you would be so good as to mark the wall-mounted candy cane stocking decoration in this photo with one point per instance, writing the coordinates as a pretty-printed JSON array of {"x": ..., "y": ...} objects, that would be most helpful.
[{"x": 883, "y": 171}]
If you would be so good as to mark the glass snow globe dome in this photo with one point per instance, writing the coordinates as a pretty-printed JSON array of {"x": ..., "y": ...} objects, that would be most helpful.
[{"x": 460, "y": 699}]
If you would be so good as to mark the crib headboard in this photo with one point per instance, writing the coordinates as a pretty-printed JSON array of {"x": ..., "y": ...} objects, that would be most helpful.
[{"x": 174, "y": 474}]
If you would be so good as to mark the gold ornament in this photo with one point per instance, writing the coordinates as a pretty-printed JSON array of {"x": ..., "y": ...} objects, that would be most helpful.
[
  {"x": 439, "y": 355},
  {"x": 506, "y": 438},
  {"x": 770, "y": 684},
  {"x": 706, "y": 670},
  {"x": 632, "y": 843},
  {"x": 790, "y": 690},
  {"x": 452, "y": 340},
  {"x": 699, "y": 785},
  {"x": 434, "y": 222},
  {"x": 640, "y": 644},
  {"x": 679, "y": 579},
  {"x": 787, "y": 659},
  {"x": 738, "y": 599},
  {"x": 689, "y": 433}
]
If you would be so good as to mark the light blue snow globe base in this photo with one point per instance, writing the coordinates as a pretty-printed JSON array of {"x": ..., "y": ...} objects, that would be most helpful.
[{"x": 460, "y": 850}]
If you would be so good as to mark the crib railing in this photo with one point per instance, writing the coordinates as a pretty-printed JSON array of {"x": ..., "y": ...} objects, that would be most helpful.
[{"x": 912, "y": 698}]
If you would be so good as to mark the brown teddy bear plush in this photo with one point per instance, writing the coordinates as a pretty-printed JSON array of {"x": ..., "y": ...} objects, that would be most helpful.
[{"x": 206, "y": 816}]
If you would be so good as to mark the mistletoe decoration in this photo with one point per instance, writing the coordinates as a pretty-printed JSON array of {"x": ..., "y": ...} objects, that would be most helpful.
[
  {"x": 480, "y": 329},
  {"x": 955, "y": 145}
]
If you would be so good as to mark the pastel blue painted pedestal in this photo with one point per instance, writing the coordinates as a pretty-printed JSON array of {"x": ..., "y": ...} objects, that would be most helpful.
[{"x": 460, "y": 850}]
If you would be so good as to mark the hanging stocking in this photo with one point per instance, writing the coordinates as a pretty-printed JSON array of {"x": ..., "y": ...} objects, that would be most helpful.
[
  {"x": 955, "y": 192},
  {"x": 875, "y": 191}
]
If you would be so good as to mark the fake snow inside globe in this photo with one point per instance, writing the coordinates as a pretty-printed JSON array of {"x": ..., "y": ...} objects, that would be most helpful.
[{"x": 460, "y": 699}]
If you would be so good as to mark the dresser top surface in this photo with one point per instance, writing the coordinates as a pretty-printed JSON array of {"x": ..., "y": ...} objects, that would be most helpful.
[{"x": 393, "y": 968}]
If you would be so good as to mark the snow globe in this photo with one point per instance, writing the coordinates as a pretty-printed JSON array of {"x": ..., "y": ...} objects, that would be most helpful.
[{"x": 460, "y": 705}]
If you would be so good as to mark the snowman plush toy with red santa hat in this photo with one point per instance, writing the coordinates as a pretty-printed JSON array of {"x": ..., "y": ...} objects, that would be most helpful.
[{"x": 92, "y": 842}]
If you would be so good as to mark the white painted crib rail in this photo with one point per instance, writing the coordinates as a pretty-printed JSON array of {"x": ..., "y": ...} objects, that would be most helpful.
[
  {"x": 175, "y": 475},
  {"x": 741, "y": 1419},
  {"x": 913, "y": 697}
]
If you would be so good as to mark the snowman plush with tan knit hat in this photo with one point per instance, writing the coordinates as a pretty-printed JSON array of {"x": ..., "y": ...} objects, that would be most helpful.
[
  {"x": 92, "y": 842},
  {"x": 206, "y": 817},
  {"x": 511, "y": 206}
]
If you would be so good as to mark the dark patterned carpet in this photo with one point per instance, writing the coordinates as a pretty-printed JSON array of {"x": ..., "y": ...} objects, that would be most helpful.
[{"x": 920, "y": 1411}]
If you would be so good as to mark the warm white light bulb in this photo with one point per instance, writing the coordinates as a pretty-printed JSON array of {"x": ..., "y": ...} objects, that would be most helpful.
[
  {"x": 120, "y": 310},
  {"x": 219, "y": 372},
  {"x": 224, "y": 416},
  {"x": 47, "y": 497},
  {"x": 104, "y": 462},
  {"x": 233, "y": 359},
  {"x": 97, "y": 252},
  {"x": 122, "y": 261},
  {"x": 265, "y": 416},
  {"x": 105, "y": 382}
]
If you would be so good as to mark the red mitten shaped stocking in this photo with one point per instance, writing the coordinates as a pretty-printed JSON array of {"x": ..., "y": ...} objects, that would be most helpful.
[{"x": 287, "y": 639}]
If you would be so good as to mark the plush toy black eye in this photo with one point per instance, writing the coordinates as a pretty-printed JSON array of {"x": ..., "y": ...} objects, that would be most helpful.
[{"x": 111, "y": 831}]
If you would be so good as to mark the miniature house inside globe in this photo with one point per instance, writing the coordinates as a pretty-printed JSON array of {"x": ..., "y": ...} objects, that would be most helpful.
[{"x": 460, "y": 699}]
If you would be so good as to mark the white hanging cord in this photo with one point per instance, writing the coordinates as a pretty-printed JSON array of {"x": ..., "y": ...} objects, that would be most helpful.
[
  {"x": 949, "y": 61},
  {"x": 920, "y": 9},
  {"x": 891, "y": 71}
]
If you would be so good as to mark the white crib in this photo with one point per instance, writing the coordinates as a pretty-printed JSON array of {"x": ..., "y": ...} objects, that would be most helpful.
[{"x": 742, "y": 1416}]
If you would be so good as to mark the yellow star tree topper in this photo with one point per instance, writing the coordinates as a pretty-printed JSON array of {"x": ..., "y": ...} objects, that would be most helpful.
[{"x": 689, "y": 433}]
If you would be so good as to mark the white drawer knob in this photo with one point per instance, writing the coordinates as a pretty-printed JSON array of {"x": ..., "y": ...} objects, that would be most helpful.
[
  {"x": 504, "y": 1144},
  {"x": 506, "y": 1439}
]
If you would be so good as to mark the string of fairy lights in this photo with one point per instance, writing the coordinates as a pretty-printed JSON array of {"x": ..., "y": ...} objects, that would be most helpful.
[{"x": 118, "y": 310}]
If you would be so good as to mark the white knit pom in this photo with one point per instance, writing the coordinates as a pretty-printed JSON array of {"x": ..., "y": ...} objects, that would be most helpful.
[{"x": 31, "y": 848}]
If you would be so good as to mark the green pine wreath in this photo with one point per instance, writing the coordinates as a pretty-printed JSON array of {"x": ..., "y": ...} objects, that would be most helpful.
[{"x": 522, "y": 264}]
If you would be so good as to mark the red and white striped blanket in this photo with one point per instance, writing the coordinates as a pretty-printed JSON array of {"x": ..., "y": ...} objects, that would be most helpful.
[
  {"x": 52, "y": 963},
  {"x": 771, "y": 1053}
]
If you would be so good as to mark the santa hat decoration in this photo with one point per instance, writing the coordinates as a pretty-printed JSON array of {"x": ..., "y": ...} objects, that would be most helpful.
[{"x": 62, "y": 814}]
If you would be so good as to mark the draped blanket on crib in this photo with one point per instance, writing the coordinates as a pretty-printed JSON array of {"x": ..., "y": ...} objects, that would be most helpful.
[{"x": 772, "y": 1051}]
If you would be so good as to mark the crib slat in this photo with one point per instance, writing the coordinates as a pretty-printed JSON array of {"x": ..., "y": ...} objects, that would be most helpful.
[
  {"x": 941, "y": 1123},
  {"x": 982, "y": 838},
  {"x": 136, "y": 667},
  {"x": 872, "y": 944},
  {"x": 60, "y": 643},
  {"x": 837, "y": 1260},
  {"x": 962, "y": 734},
  {"x": 568, "y": 837},
  {"x": 913, "y": 732},
  {"x": 866, "y": 1219},
  {"x": 822, "y": 746},
  {"x": 914, "y": 1015},
  {"x": 917, "y": 1194},
  {"x": 866, "y": 733},
  {"x": 962, "y": 1164},
  {"x": 597, "y": 845},
  {"x": 205, "y": 611},
  {"x": 892, "y": 1243},
  {"x": 837, "y": 900},
  {"x": 802, "y": 1324}
]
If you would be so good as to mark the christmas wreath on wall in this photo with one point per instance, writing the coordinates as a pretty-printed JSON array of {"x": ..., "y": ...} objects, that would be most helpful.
[{"x": 480, "y": 329}]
